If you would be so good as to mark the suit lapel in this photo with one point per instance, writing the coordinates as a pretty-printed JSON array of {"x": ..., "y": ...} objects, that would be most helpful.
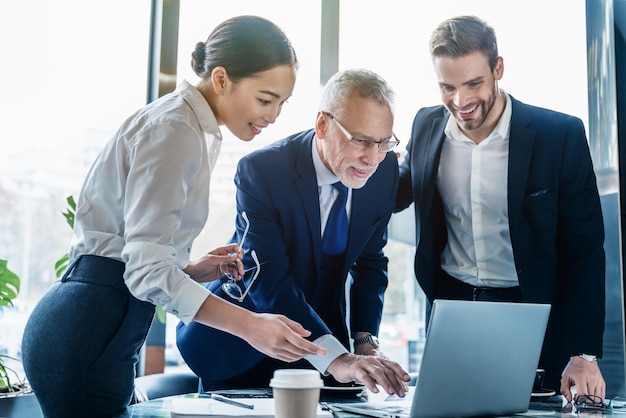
[
  {"x": 306, "y": 183},
  {"x": 429, "y": 165},
  {"x": 521, "y": 140}
]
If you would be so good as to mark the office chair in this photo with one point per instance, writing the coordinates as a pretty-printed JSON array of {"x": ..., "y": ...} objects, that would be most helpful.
[{"x": 160, "y": 385}]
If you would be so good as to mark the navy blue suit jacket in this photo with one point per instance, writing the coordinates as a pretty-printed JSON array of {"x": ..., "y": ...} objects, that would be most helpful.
[
  {"x": 555, "y": 221},
  {"x": 277, "y": 188}
]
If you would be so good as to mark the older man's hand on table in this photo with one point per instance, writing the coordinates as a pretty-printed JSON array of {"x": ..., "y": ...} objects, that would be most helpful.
[{"x": 372, "y": 371}]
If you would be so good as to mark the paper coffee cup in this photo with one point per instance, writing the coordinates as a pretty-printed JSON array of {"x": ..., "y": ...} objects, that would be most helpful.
[{"x": 296, "y": 392}]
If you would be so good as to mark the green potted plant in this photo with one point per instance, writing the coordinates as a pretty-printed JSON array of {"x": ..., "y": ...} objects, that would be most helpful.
[
  {"x": 16, "y": 397},
  {"x": 9, "y": 289}
]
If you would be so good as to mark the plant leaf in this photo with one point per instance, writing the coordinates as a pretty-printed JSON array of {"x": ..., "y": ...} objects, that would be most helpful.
[
  {"x": 71, "y": 202},
  {"x": 61, "y": 265},
  {"x": 71, "y": 211},
  {"x": 160, "y": 314},
  {"x": 4, "y": 377},
  {"x": 9, "y": 285}
]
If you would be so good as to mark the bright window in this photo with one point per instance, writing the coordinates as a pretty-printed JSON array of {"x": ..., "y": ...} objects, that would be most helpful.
[{"x": 72, "y": 72}]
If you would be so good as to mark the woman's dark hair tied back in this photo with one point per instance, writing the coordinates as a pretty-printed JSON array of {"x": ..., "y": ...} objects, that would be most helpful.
[
  {"x": 197, "y": 58},
  {"x": 244, "y": 45}
]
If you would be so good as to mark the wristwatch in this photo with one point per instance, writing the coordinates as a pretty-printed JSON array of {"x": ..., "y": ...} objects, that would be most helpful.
[
  {"x": 588, "y": 357},
  {"x": 371, "y": 339}
]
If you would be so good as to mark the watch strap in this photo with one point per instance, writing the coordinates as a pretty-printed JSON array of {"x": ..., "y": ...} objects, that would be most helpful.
[{"x": 369, "y": 338}]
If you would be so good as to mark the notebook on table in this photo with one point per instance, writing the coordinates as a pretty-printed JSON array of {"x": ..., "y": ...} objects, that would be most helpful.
[
  {"x": 205, "y": 407},
  {"x": 480, "y": 358}
]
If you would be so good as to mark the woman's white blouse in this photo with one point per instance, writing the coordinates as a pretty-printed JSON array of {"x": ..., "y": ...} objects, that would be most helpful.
[{"x": 146, "y": 198}]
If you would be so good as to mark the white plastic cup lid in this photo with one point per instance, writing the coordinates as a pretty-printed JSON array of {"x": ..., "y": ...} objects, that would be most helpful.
[{"x": 296, "y": 379}]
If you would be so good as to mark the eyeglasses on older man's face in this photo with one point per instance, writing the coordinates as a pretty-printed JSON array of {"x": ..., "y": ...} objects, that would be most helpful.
[{"x": 383, "y": 146}]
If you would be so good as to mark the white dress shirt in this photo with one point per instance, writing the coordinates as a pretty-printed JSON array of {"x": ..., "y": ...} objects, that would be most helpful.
[
  {"x": 327, "y": 192},
  {"x": 146, "y": 198},
  {"x": 327, "y": 196},
  {"x": 472, "y": 181}
]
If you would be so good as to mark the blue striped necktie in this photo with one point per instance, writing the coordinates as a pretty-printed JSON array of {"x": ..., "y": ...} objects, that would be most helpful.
[{"x": 336, "y": 231}]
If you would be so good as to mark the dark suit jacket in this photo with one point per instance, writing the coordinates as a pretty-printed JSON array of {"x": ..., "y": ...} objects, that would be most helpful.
[
  {"x": 277, "y": 188},
  {"x": 555, "y": 221}
]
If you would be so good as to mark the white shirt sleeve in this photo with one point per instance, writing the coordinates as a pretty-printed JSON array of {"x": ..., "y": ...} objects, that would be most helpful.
[
  {"x": 146, "y": 198},
  {"x": 334, "y": 349},
  {"x": 161, "y": 180}
]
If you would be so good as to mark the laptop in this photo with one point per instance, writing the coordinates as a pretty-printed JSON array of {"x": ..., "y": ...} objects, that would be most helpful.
[{"x": 480, "y": 359}]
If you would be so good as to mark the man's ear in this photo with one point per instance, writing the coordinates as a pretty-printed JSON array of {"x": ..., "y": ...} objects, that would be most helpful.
[
  {"x": 219, "y": 80},
  {"x": 498, "y": 70},
  {"x": 321, "y": 125}
]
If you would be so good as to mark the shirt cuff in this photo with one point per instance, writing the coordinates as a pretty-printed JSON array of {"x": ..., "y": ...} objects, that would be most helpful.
[
  {"x": 334, "y": 349},
  {"x": 188, "y": 300}
]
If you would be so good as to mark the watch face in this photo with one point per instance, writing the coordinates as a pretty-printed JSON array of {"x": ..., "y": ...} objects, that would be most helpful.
[{"x": 375, "y": 342}]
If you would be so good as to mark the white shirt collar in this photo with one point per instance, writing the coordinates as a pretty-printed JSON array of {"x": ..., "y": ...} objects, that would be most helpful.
[
  {"x": 324, "y": 175},
  {"x": 201, "y": 108}
]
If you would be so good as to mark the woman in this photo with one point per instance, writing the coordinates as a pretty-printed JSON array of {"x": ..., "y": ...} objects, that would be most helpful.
[{"x": 142, "y": 204}]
